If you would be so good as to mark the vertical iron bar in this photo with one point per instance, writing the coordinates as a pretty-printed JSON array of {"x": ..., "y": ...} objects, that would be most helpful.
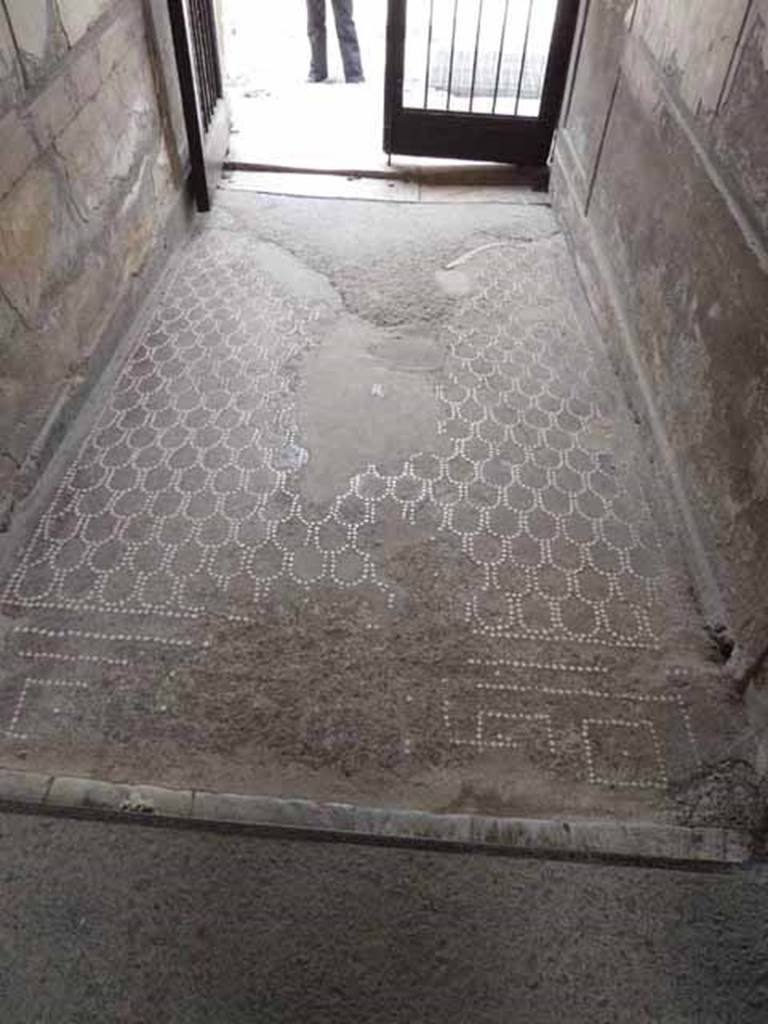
[
  {"x": 201, "y": 20},
  {"x": 194, "y": 17},
  {"x": 205, "y": 8},
  {"x": 453, "y": 53},
  {"x": 523, "y": 57},
  {"x": 501, "y": 56},
  {"x": 429, "y": 54},
  {"x": 215, "y": 57},
  {"x": 203, "y": 15},
  {"x": 394, "y": 78},
  {"x": 474, "y": 62},
  {"x": 212, "y": 48}
]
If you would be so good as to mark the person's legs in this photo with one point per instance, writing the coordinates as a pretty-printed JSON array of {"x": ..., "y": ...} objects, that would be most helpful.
[
  {"x": 318, "y": 68},
  {"x": 348, "y": 43}
]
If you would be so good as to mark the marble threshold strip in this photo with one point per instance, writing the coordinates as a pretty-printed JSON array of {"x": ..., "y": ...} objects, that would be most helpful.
[{"x": 631, "y": 842}]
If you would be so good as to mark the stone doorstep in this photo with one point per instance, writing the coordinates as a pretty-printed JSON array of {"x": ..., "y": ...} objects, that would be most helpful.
[{"x": 558, "y": 838}]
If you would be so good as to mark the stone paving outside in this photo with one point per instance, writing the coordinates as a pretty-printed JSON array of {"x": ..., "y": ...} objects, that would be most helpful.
[{"x": 405, "y": 559}]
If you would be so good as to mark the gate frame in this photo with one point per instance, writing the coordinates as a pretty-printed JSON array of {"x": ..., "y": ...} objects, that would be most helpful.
[
  {"x": 501, "y": 138},
  {"x": 206, "y": 113}
]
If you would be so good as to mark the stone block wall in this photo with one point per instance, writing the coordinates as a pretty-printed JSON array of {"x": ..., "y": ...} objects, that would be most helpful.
[
  {"x": 91, "y": 200},
  {"x": 661, "y": 174}
]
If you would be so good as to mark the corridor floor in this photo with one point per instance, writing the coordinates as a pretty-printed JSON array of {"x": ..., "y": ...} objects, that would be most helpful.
[{"x": 363, "y": 515}]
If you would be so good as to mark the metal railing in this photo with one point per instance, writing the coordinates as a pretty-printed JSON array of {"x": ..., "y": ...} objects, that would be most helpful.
[
  {"x": 481, "y": 55},
  {"x": 206, "y": 57}
]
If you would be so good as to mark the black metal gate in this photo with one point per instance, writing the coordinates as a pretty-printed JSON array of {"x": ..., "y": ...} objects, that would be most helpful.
[
  {"x": 193, "y": 24},
  {"x": 476, "y": 79}
]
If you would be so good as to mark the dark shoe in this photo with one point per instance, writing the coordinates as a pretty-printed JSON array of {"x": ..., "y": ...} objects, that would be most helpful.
[
  {"x": 316, "y": 78},
  {"x": 357, "y": 80}
]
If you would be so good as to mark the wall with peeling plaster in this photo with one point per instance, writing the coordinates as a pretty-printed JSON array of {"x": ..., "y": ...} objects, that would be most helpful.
[
  {"x": 661, "y": 175},
  {"x": 91, "y": 200}
]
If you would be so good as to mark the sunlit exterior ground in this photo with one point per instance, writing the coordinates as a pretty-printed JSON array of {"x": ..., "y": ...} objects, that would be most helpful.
[{"x": 499, "y": 57}]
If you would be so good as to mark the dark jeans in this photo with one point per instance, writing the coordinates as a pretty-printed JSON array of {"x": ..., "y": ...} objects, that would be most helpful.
[{"x": 345, "y": 30}]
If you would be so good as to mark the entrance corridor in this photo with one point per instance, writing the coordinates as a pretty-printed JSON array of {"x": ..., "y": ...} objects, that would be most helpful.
[{"x": 364, "y": 516}]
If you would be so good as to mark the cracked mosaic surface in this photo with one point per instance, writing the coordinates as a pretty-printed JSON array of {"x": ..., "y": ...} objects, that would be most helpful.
[{"x": 186, "y": 502}]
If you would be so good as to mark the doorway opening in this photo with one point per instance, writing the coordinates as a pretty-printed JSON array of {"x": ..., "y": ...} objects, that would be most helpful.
[
  {"x": 282, "y": 121},
  {"x": 445, "y": 80}
]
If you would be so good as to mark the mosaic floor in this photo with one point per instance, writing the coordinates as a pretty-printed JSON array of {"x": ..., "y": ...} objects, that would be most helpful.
[{"x": 303, "y": 552}]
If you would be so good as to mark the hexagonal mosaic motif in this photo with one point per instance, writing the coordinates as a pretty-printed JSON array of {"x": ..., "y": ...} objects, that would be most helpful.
[{"x": 186, "y": 501}]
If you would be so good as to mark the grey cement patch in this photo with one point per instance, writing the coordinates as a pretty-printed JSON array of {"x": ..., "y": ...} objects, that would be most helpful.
[
  {"x": 405, "y": 560},
  {"x": 365, "y": 398},
  {"x": 296, "y": 277}
]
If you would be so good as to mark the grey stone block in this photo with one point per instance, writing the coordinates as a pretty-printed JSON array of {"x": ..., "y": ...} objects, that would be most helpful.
[
  {"x": 248, "y": 810},
  {"x": 107, "y": 796},
  {"x": 31, "y": 26},
  {"x": 40, "y": 42},
  {"x": 10, "y": 70},
  {"x": 33, "y": 233},
  {"x": 19, "y": 150},
  {"x": 77, "y": 16},
  {"x": 23, "y": 787},
  {"x": 544, "y": 837},
  {"x": 105, "y": 143},
  {"x": 53, "y": 109}
]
